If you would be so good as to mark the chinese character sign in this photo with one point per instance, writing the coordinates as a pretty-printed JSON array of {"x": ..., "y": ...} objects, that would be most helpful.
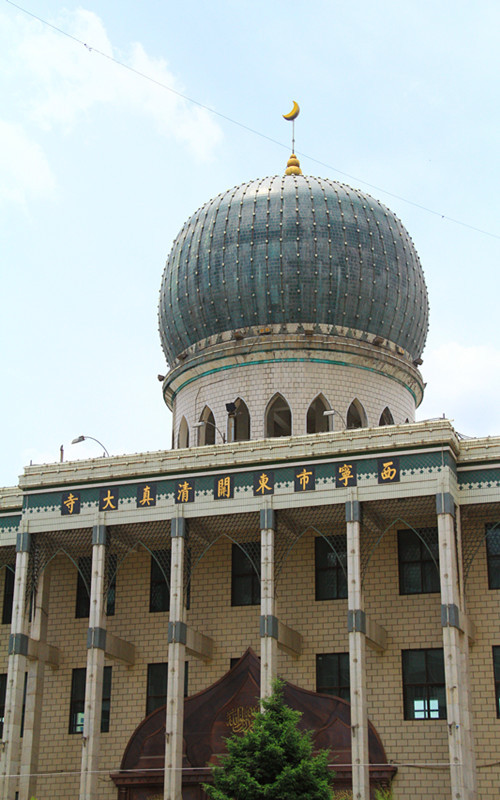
[
  {"x": 304, "y": 479},
  {"x": 223, "y": 487},
  {"x": 388, "y": 470},
  {"x": 346, "y": 474},
  {"x": 184, "y": 491},
  {"x": 70, "y": 503},
  {"x": 263, "y": 482},
  {"x": 108, "y": 499},
  {"x": 146, "y": 495}
]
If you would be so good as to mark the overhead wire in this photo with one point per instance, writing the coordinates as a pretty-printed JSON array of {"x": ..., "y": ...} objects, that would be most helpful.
[{"x": 248, "y": 128}]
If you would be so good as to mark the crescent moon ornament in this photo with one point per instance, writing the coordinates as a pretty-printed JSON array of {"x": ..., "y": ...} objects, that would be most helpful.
[{"x": 294, "y": 113}]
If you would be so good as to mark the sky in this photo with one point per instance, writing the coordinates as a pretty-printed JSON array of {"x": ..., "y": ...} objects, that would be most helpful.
[{"x": 101, "y": 166}]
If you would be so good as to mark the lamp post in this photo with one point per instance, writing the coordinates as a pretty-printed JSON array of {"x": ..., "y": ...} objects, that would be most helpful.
[
  {"x": 82, "y": 439},
  {"x": 203, "y": 422},
  {"x": 331, "y": 412}
]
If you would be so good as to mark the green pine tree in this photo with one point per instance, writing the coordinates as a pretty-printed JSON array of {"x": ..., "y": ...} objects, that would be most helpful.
[{"x": 273, "y": 760}]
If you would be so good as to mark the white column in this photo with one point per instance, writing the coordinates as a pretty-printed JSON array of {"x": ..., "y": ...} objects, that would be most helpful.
[
  {"x": 176, "y": 657},
  {"x": 357, "y": 648},
  {"x": 34, "y": 692},
  {"x": 455, "y": 650},
  {"x": 18, "y": 648},
  {"x": 96, "y": 644},
  {"x": 268, "y": 618}
]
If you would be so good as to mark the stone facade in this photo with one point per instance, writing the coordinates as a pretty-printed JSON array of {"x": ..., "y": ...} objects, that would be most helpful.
[{"x": 430, "y": 456}]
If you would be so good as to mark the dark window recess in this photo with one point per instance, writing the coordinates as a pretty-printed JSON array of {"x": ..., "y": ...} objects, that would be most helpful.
[
  {"x": 111, "y": 598},
  {"x": 84, "y": 580},
  {"x": 418, "y": 555},
  {"x": 157, "y": 686},
  {"x": 3, "y": 690},
  {"x": 496, "y": 672},
  {"x": 245, "y": 574},
  {"x": 8, "y": 594},
  {"x": 330, "y": 567},
  {"x": 23, "y": 710},
  {"x": 424, "y": 684},
  {"x": 493, "y": 555},
  {"x": 332, "y": 674},
  {"x": 77, "y": 702},
  {"x": 83, "y": 587},
  {"x": 159, "y": 589}
]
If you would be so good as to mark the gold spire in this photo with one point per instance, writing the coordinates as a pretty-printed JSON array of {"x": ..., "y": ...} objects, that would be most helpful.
[{"x": 293, "y": 166}]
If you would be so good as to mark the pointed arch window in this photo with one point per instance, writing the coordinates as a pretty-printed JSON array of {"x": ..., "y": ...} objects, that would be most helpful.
[
  {"x": 238, "y": 422},
  {"x": 356, "y": 416},
  {"x": 386, "y": 417},
  {"x": 183, "y": 437},
  {"x": 316, "y": 420},
  {"x": 206, "y": 433},
  {"x": 278, "y": 418}
]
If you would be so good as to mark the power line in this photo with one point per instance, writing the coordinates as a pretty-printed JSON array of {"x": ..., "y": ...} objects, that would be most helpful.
[{"x": 254, "y": 131}]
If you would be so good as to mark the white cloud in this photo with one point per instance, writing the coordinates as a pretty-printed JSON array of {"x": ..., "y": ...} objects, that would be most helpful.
[
  {"x": 24, "y": 169},
  {"x": 67, "y": 80},
  {"x": 463, "y": 382}
]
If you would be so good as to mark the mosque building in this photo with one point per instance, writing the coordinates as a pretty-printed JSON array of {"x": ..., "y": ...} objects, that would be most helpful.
[{"x": 302, "y": 525}]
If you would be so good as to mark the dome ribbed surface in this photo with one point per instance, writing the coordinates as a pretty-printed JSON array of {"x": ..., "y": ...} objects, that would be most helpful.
[{"x": 293, "y": 249}]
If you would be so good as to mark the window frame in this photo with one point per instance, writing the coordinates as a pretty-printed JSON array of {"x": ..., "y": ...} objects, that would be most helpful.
[
  {"x": 496, "y": 676},
  {"x": 8, "y": 593},
  {"x": 492, "y": 559},
  {"x": 336, "y": 569},
  {"x": 426, "y": 686},
  {"x": 3, "y": 693},
  {"x": 424, "y": 562},
  {"x": 77, "y": 703},
  {"x": 340, "y": 661},
  {"x": 161, "y": 667},
  {"x": 159, "y": 583},
  {"x": 252, "y": 572}
]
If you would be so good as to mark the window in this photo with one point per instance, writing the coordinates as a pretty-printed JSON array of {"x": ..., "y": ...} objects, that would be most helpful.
[
  {"x": 331, "y": 567},
  {"x": 424, "y": 684},
  {"x": 418, "y": 555},
  {"x": 493, "y": 555},
  {"x": 157, "y": 686},
  {"x": 183, "y": 438},
  {"x": 332, "y": 674},
  {"x": 245, "y": 580},
  {"x": 159, "y": 589},
  {"x": 77, "y": 703},
  {"x": 316, "y": 421},
  {"x": 496, "y": 672},
  {"x": 8, "y": 594},
  {"x": 83, "y": 580},
  {"x": 83, "y": 587},
  {"x": 356, "y": 416},
  {"x": 3, "y": 691},
  {"x": 278, "y": 418},
  {"x": 238, "y": 422},
  {"x": 207, "y": 431},
  {"x": 386, "y": 417}
]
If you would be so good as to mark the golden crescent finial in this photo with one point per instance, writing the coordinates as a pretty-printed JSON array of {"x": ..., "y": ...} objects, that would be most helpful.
[{"x": 294, "y": 113}]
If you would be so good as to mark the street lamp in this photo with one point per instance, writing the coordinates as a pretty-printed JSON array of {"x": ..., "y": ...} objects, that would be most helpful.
[
  {"x": 82, "y": 439},
  {"x": 204, "y": 422},
  {"x": 331, "y": 412}
]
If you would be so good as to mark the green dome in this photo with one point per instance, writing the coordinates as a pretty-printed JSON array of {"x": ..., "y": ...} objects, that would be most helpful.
[{"x": 293, "y": 249}]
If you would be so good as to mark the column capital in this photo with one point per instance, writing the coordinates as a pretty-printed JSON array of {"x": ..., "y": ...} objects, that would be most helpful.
[
  {"x": 445, "y": 503},
  {"x": 178, "y": 528},
  {"x": 353, "y": 511},
  {"x": 99, "y": 534},
  {"x": 23, "y": 542},
  {"x": 267, "y": 519}
]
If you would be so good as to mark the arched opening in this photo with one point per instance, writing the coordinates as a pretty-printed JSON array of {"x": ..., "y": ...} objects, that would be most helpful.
[
  {"x": 386, "y": 417},
  {"x": 238, "y": 422},
  {"x": 316, "y": 420},
  {"x": 356, "y": 416},
  {"x": 278, "y": 418},
  {"x": 206, "y": 432},
  {"x": 183, "y": 437}
]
